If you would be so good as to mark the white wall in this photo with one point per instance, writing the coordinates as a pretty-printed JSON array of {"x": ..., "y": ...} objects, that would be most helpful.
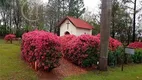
[
  {"x": 71, "y": 29},
  {"x": 83, "y": 31}
]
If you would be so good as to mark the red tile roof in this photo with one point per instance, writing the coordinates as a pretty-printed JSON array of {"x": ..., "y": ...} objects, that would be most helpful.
[{"x": 77, "y": 23}]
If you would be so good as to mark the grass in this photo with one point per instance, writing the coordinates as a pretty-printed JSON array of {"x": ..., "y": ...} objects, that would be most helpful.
[
  {"x": 131, "y": 72},
  {"x": 11, "y": 65}
]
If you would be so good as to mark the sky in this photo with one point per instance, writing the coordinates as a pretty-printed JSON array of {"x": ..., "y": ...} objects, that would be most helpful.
[{"x": 92, "y": 5}]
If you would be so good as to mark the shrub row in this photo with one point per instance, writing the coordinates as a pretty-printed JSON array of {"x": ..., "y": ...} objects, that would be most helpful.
[
  {"x": 44, "y": 49},
  {"x": 115, "y": 57},
  {"x": 41, "y": 48},
  {"x": 84, "y": 50}
]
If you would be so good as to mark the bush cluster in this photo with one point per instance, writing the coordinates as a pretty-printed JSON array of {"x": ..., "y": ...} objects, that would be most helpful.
[
  {"x": 137, "y": 57},
  {"x": 84, "y": 50},
  {"x": 41, "y": 47},
  {"x": 45, "y": 49}
]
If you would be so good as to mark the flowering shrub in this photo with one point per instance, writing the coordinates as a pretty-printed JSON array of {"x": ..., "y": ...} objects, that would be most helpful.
[
  {"x": 137, "y": 57},
  {"x": 113, "y": 43},
  {"x": 135, "y": 45},
  {"x": 9, "y": 37},
  {"x": 42, "y": 48},
  {"x": 65, "y": 39},
  {"x": 82, "y": 50}
]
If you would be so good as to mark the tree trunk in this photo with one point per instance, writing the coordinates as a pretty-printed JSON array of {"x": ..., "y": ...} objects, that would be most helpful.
[
  {"x": 105, "y": 33},
  {"x": 134, "y": 22}
]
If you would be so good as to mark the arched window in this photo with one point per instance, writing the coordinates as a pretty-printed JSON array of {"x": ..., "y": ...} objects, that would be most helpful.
[{"x": 67, "y": 33}]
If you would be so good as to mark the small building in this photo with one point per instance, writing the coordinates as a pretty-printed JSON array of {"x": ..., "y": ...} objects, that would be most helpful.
[{"x": 71, "y": 25}]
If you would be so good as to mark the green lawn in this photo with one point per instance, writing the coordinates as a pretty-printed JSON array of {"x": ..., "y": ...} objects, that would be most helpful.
[
  {"x": 131, "y": 72},
  {"x": 11, "y": 65}
]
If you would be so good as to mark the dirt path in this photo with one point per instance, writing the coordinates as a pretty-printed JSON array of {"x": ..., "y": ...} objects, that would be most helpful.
[{"x": 66, "y": 69}]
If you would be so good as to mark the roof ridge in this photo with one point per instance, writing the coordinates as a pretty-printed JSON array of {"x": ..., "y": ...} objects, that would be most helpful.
[{"x": 77, "y": 22}]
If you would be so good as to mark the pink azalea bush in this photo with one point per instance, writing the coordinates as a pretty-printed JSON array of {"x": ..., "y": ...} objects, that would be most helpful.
[
  {"x": 113, "y": 43},
  {"x": 41, "y": 47},
  {"x": 9, "y": 37},
  {"x": 82, "y": 50},
  {"x": 135, "y": 45},
  {"x": 65, "y": 39}
]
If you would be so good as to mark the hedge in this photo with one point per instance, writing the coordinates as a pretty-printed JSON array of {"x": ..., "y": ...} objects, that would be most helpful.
[{"x": 84, "y": 50}]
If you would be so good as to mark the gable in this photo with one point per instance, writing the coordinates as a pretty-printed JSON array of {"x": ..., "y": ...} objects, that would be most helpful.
[
  {"x": 67, "y": 27},
  {"x": 77, "y": 23}
]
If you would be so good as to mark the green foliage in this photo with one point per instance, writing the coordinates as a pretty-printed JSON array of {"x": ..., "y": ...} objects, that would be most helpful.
[
  {"x": 3, "y": 30},
  {"x": 92, "y": 58},
  {"x": 137, "y": 57},
  {"x": 76, "y": 8},
  {"x": 120, "y": 22},
  {"x": 96, "y": 29},
  {"x": 114, "y": 57}
]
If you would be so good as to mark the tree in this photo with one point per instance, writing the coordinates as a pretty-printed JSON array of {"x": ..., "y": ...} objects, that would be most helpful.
[
  {"x": 93, "y": 19},
  {"x": 17, "y": 17},
  {"x": 135, "y": 11},
  {"x": 4, "y": 7},
  {"x": 120, "y": 22},
  {"x": 105, "y": 32},
  {"x": 76, "y": 8}
]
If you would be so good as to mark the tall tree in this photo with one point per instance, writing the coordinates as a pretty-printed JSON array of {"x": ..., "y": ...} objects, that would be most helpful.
[
  {"x": 93, "y": 19},
  {"x": 76, "y": 8},
  {"x": 5, "y": 7},
  {"x": 135, "y": 11},
  {"x": 120, "y": 22},
  {"x": 17, "y": 16}
]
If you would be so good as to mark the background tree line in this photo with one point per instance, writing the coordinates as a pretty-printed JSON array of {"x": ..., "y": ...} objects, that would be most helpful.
[{"x": 19, "y": 16}]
